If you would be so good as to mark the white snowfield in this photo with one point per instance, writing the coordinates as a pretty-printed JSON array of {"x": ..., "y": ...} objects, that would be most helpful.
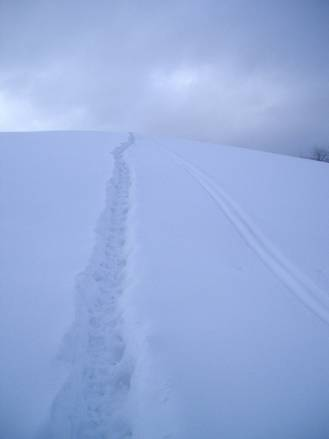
[{"x": 161, "y": 289}]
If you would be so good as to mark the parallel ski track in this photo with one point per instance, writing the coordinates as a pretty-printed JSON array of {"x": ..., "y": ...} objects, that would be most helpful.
[{"x": 306, "y": 291}]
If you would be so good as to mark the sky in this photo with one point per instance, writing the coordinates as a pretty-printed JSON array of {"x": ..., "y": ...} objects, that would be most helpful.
[{"x": 249, "y": 73}]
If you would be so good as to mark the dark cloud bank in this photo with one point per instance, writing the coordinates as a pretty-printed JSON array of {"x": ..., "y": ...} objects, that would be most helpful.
[{"x": 250, "y": 73}]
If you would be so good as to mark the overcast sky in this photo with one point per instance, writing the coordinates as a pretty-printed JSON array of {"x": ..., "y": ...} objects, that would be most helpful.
[{"x": 241, "y": 72}]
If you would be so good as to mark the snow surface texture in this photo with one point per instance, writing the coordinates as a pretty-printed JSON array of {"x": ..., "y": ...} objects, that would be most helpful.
[
  {"x": 91, "y": 403},
  {"x": 304, "y": 289},
  {"x": 203, "y": 310}
]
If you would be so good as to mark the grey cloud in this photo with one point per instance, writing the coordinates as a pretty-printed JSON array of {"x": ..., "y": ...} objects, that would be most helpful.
[{"x": 245, "y": 73}]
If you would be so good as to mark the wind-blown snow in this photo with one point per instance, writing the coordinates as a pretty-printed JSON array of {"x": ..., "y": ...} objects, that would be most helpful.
[{"x": 203, "y": 310}]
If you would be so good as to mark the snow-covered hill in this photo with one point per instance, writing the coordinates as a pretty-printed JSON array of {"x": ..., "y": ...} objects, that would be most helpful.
[{"x": 202, "y": 305}]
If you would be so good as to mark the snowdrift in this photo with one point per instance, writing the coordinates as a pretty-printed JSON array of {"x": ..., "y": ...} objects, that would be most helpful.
[{"x": 160, "y": 288}]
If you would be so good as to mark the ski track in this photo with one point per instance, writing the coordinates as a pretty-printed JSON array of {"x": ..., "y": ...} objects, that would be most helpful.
[
  {"x": 306, "y": 291},
  {"x": 93, "y": 403}
]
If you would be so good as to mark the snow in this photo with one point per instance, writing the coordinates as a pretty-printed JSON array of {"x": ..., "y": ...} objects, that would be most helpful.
[
  {"x": 202, "y": 307},
  {"x": 51, "y": 190}
]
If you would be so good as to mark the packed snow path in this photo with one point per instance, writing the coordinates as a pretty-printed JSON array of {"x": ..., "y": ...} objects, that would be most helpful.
[{"x": 92, "y": 402}]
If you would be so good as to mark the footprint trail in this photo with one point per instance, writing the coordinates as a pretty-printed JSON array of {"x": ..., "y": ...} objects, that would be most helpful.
[{"x": 93, "y": 400}]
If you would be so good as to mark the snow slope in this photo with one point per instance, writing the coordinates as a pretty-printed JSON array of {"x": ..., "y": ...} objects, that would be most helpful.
[
  {"x": 203, "y": 311},
  {"x": 51, "y": 192}
]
